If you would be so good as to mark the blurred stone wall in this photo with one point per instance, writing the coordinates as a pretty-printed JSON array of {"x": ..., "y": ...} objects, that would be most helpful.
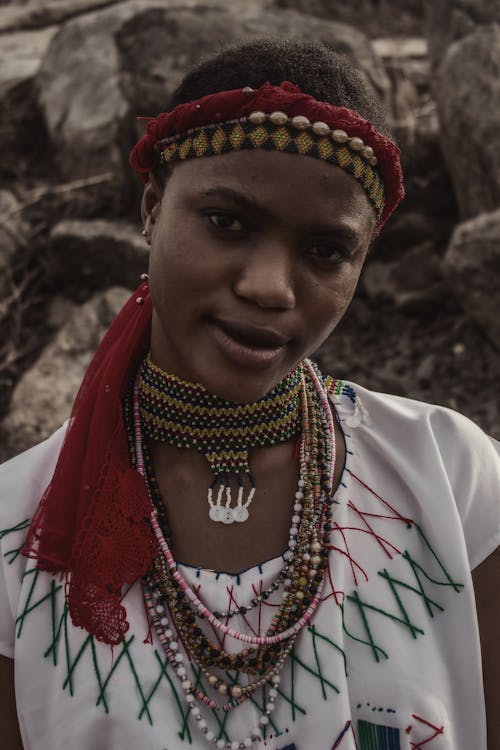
[{"x": 75, "y": 74}]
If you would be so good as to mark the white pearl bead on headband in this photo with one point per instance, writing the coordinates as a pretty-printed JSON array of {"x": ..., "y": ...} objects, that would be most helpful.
[{"x": 300, "y": 122}]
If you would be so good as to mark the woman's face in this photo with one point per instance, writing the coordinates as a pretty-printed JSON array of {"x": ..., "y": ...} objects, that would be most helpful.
[{"x": 255, "y": 257}]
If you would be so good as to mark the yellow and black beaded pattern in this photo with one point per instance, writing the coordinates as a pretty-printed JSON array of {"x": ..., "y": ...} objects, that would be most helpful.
[
  {"x": 237, "y": 135},
  {"x": 184, "y": 414}
]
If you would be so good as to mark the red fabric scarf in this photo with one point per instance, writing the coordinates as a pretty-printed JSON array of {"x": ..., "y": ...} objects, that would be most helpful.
[
  {"x": 92, "y": 522},
  {"x": 288, "y": 98}
]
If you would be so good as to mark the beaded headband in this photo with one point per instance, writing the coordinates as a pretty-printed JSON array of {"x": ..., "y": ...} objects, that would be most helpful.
[
  {"x": 279, "y": 118},
  {"x": 261, "y": 131}
]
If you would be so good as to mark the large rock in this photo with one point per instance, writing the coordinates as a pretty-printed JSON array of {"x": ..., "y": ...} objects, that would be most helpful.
[
  {"x": 451, "y": 20},
  {"x": 373, "y": 17},
  {"x": 412, "y": 284},
  {"x": 408, "y": 228},
  {"x": 21, "y": 55},
  {"x": 39, "y": 13},
  {"x": 99, "y": 253},
  {"x": 467, "y": 88},
  {"x": 21, "y": 121},
  {"x": 43, "y": 397},
  {"x": 159, "y": 44},
  {"x": 80, "y": 94},
  {"x": 471, "y": 268}
]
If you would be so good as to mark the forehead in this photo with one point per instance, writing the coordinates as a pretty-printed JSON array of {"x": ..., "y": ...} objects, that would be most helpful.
[{"x": 282, "y": 183}]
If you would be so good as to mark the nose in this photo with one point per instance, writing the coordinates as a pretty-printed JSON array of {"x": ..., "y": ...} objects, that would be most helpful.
[{"x": 267, "y": 278}]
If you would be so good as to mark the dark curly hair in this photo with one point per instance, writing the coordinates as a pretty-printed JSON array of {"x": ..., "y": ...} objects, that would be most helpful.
[{"x": 317, "y": 69}]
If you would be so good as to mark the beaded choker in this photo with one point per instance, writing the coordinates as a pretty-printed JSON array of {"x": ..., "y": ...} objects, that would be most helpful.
[{"x": 186, "y": 415}]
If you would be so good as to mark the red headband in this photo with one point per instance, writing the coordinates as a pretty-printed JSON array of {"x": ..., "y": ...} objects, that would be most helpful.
[{"x": 238, "y": 103}]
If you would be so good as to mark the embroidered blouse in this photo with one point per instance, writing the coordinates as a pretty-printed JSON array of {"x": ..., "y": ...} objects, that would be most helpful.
[{"x": 391, "y": 660}]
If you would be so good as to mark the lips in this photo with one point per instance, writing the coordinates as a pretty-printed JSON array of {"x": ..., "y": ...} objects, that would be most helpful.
[
  {"x": 247, "y": 345},
  {"x": 253, "y": 335}
]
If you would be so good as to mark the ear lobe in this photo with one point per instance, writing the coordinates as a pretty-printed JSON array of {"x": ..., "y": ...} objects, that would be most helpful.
[{"x": 150, "y": 206}]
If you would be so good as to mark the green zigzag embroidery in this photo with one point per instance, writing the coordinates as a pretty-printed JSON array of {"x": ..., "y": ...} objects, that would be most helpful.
[
  {"x": 60, "y": 640},
  {"x": 397, "y": 587},
  {"x": 12, "y": 554}
]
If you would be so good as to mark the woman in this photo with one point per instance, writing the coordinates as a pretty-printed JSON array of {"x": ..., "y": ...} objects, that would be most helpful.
[{"x": 276, "y": 558}]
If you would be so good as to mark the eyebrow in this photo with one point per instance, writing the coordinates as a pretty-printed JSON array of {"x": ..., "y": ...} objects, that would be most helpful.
[
  {"x": 249, "y": 204},
  {"x": 341, "y": 229}
]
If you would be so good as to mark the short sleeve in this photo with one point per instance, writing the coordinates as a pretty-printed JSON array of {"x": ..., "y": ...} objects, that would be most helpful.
[
  {"x": 472, "y": 461},
  {"x": 481, "y": 519}
]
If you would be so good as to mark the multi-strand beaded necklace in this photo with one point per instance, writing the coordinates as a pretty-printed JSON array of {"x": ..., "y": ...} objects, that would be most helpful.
[{"x": 179, "y": 615}]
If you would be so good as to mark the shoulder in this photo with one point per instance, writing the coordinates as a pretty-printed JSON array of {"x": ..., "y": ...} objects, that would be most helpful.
[
  {"x": 440, "y": 455},
  {"x": 411, "y": 411},
  {"x": 407, "y": 422},
  {"x": 24, "y": 478}
]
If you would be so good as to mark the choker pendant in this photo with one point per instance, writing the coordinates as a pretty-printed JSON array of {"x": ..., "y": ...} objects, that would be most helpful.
[{"x": 220, "y": 510}]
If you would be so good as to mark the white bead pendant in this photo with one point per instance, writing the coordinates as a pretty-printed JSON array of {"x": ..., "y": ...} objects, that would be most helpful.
[{"x": 225, "y": 513}]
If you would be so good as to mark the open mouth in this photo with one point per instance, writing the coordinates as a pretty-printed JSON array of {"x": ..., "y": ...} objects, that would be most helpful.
[
  {"x": 247, "y": 345},
  {"x": 260, "y": 338}
]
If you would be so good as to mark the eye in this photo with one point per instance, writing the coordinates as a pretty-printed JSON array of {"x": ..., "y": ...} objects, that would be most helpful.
[
  {"x": 328, "y": 252},
  {"x": 225, "y": 221}
]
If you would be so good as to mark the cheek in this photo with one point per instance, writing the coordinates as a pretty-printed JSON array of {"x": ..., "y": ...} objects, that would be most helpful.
[
  {"x": 166, "y": 280},
  {"x": 344, "y": 290},
  {"x": 170, "y": 251},
  {"x": 330, "y": 299},
  {"x": 184, "y": 273},
  {"x": 327, "y": 302}
]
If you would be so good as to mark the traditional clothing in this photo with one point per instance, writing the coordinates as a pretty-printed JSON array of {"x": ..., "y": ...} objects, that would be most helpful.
[
  {"x": 391, "y": 658},
  {"x": 365, "y": 631}
]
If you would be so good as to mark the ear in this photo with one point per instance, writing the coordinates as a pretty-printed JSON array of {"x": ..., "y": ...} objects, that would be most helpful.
[{"x": 150, "y": 206}]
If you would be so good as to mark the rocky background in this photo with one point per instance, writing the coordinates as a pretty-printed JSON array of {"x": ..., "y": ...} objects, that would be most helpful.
[{"x": 74, "y": 74}]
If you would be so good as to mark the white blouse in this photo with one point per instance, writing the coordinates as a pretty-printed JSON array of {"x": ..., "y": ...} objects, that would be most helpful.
[{"x": 391, "y": 659}]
